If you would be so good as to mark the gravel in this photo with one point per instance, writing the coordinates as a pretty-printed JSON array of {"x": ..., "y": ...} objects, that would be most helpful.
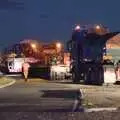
[{"x": 60, "y": 116}]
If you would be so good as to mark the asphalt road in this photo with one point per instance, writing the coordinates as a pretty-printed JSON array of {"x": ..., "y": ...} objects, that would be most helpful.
[{"x": 37, "y": 95}]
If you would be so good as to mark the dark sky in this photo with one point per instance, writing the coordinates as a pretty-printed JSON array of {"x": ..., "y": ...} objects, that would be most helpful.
[{"x": 53, "y": 19}]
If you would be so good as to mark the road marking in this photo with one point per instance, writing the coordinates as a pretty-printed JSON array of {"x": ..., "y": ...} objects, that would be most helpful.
[
  {"x": 9, "y": 84},
  {"x": 78, "y": 100},
  {"x": 100, "y": 109},
  {"x": 12, "y": 75}
]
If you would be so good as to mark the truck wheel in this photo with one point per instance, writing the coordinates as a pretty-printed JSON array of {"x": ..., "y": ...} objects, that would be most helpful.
[{"x": 75, "y": 78}]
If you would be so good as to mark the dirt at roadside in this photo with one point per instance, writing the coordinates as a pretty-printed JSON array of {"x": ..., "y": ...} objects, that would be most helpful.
[{"x": 101, "y": 96}]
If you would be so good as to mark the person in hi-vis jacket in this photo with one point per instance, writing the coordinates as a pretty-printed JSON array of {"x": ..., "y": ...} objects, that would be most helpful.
[{"x": 25, "y": 68}]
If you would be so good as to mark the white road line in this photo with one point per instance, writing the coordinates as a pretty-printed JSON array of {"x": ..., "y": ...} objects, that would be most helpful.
[
  {"x": 78, "y": 100},
  {"x": 100, "y": 109},
  {"x": 9, "y": 84},
  {"x": 12, "y": 75}
]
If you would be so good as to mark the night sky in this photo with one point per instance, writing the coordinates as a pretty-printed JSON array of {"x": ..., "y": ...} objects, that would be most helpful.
[{"x": 47, "y": 20}]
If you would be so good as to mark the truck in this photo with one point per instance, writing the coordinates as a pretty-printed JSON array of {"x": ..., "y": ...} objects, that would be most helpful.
[
  {"x": 87, "y": 48},
  {"x": 14, "y": 65},
  {"x": 44, "y": 57}
]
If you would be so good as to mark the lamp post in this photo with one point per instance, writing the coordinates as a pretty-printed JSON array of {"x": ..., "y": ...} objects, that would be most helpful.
[
  {"x": 59, "y": 52},
  {"x": 34, "y": 49},
  {"x": 101, "y": 30},
  {"x": 58, "y": 47},
  {"x": 97, "y": 27},
  {"x": 33, "y": 45}
]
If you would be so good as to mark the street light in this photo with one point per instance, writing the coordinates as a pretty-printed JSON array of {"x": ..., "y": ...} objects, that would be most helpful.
[
  {"x": 99, "y": 30},
  {"x": 97, "y": 27},
  {"x": 33, "y": 45},
  {"x": 58, "y": 45},
  {"x": 34, "y": 48},
  {"x": 77, "y": 27}
]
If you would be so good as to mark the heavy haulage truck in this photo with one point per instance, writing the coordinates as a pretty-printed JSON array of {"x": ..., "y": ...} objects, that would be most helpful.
[
  {"x": 89, "y": 60},
  {"x": 47, "y": 60}
]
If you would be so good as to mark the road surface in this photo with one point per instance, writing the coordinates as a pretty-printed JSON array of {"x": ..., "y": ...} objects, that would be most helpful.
[{"x": 37, "y": 95}]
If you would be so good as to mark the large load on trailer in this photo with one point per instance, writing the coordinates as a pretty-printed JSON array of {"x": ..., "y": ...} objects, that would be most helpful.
[
  {"x": 41, "y": 57},
  {"x": 88, "y": 50}
]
